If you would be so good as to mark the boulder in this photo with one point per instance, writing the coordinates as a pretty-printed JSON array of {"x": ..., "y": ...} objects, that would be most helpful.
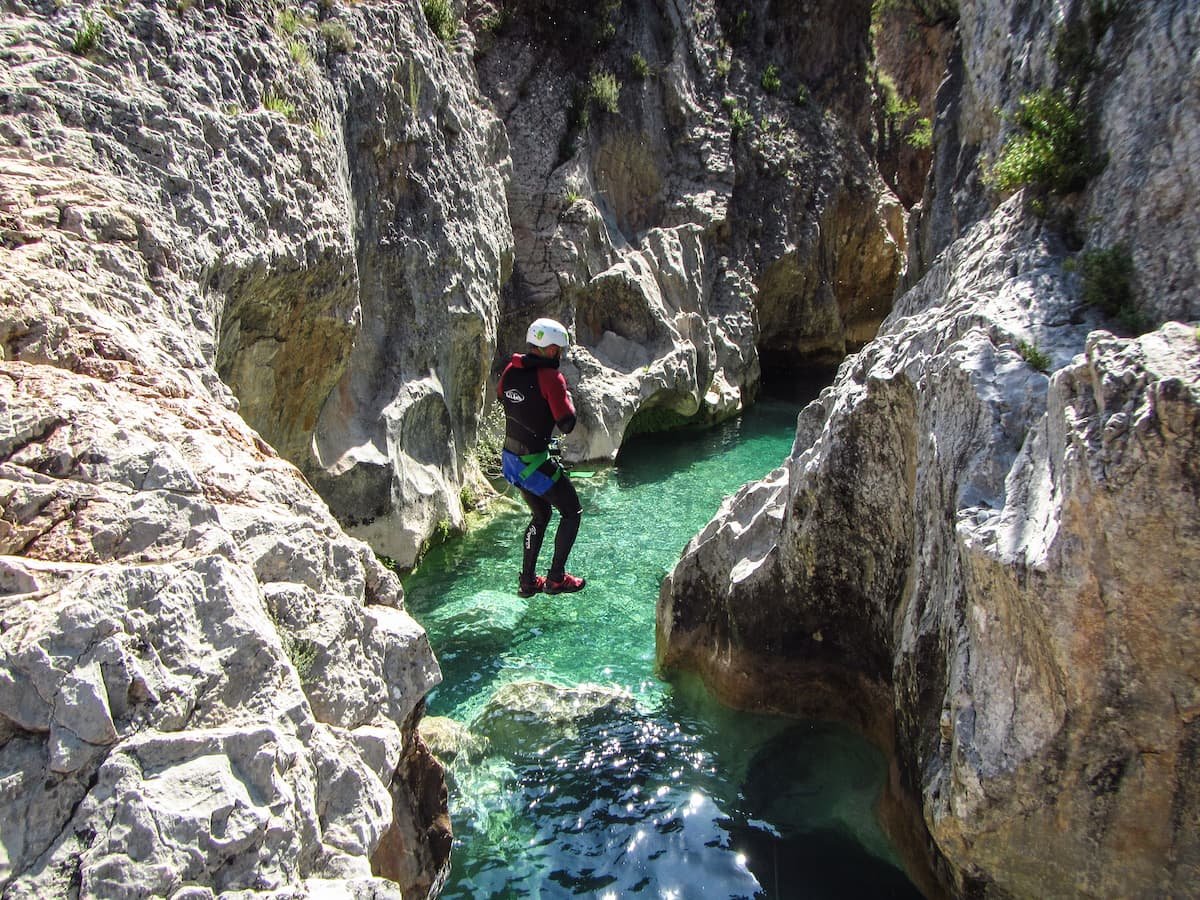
[{"x": 525, "y": 716}]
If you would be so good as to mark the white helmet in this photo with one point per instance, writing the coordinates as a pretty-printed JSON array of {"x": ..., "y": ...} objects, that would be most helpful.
[{"x": 544, "y": 332}]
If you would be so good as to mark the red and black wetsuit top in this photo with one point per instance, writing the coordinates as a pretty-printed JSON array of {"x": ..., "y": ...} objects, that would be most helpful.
[{"x": 535, "y": 399}]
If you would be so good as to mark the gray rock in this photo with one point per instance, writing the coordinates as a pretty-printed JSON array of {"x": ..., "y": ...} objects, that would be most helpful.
[
  {"x": 982, "y": 565},
  {"x": 523, "y": 716},
  {"x": 1011, "y": 518},
  {"x": 676, "y": 251}
]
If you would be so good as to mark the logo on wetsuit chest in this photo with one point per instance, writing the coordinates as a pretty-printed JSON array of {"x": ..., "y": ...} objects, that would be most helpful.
[{"x": 514, "y": 395}]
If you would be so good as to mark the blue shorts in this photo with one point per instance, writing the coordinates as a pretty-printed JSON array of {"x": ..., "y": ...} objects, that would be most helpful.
[{"x": 538, "y": 481}]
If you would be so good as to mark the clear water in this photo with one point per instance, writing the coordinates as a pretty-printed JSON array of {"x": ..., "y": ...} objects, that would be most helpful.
[{"x": 671, "y": 795}]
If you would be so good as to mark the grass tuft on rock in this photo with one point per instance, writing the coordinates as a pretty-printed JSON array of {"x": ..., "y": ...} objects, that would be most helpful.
[
  {"x": 338, "y": 37},
  {"x": 770, "y": 80},
  {"x": 1034, "y": 355},
  {"x": 273, "y": 102},
  {"x": 87, "y": 38}
]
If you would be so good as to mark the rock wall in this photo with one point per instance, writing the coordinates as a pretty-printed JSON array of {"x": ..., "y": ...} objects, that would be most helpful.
[
  {"x": 689, "y": 224},
  {"x": 207, "y": 686},
  {"x": 982, "y": 546}
]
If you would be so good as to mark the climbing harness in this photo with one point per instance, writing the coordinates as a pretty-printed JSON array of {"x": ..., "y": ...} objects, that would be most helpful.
[{"x": 524, "y": 471}]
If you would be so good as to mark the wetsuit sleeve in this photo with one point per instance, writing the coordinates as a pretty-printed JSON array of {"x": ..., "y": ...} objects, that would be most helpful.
[{"x": 554, "y": 389}]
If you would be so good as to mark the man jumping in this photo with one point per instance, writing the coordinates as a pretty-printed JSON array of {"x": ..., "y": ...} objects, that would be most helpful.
[{"x": 535, "y": 398}]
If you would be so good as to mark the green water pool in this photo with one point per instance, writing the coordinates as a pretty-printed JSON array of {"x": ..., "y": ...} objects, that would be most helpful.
[{"x": 671, "y": 795}]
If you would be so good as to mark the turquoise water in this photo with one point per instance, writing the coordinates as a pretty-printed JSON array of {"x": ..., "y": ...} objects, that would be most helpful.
[{"x": 664, "y": 795}]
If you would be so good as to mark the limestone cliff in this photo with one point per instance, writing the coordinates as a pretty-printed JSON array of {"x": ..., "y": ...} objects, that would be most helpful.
[
  {"x": 983, "y": 546},
  {"x": 691, "y": 193},
  {"x": 206, "y": 685}
]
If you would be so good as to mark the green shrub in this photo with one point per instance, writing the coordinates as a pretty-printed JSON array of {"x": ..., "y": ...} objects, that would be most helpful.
[
  {"x": 440, "y": 16},
  {"x": 739, "y": 121},
  {"x": 641, "y": 68},
  {"x": 337, "y": 36},
  {"x": 1033, "y": 355},
  {"x": 921, "y": 136},
  {"x": 1108, "y": 283},
  {"x": 605, "y": 91},
  {"x": 723, "y": 66},
  {"x": 87, "y": 38},
  {"x": 770, "y": 79},
  {"x": 300, "y": 53},
  {"x": 572, "y": 197},
  {"x": 1051, "y": 153},
  {"x": 802, "y": 95},
  {"x": 902, "y": 118}
]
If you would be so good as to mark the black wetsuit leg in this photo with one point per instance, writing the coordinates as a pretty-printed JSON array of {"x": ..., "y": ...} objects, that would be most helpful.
[
  {"x": 563, "y": 497},
  {"x": 570, "y": 512},
  {"x": 535, "y": 532}
]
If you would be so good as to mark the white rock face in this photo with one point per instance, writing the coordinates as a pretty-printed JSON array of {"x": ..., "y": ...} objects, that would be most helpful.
[
  {"x": 985, "y": 567},
  {"x": 990, "y": 568},
  {"x": 206, "y": 686},
  {"x": 325, "y": 225},
  {"x": 675, "y": 247},
  {"x": 171, "y": 589}
]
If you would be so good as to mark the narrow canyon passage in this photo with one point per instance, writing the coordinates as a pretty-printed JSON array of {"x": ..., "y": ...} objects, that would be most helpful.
[{"x": 632, "y": 785}]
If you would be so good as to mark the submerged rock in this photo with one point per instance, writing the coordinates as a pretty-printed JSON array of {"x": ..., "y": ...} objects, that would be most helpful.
[
  {"x": 525, "y": 716},
  {"x": 449, "y": 740}
]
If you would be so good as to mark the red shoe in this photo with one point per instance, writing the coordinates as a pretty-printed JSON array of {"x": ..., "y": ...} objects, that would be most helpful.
[
  {"x": 568, "y": 584},
  {"x": 528, "y": 590}
]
